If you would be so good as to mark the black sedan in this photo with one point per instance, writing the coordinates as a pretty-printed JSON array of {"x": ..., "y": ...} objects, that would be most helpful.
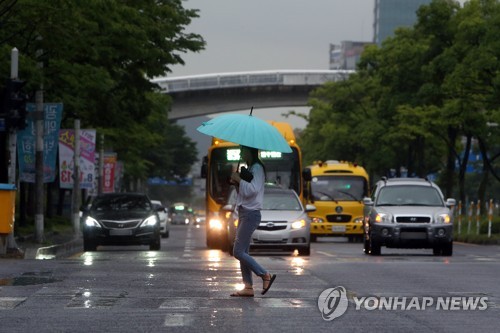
[{"x": 120, "y": 219}]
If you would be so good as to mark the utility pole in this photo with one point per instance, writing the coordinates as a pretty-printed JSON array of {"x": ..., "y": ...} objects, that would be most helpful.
[
  {"x": 76, "y": 181},
  {"x": 101, "y": 166},
  {"x": 39, "y": 118},
  {"x": 14, "y": 73}
]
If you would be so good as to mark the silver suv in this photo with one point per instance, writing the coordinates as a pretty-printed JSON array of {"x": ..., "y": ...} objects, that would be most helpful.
[{"x": 408, "y": 213}]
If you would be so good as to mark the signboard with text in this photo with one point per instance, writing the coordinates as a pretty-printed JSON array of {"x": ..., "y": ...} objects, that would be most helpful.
[
  {"x": 67, "y": 154},
  {"x": 26, "y": 143},
  {"x": 108, "y": 185}
]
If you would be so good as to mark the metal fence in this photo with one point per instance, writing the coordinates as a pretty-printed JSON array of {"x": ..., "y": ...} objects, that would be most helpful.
[{"x": 472, "y": 220}]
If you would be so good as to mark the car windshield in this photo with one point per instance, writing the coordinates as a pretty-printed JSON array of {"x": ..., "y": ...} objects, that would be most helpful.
[
  {"x": 408, "y": 195},
  {"x": 121, "y": 203},
  {"x": 281, "y": 201}
]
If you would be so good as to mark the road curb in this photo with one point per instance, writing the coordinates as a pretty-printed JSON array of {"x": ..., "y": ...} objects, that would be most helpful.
[{"x": 55, "y": 251}]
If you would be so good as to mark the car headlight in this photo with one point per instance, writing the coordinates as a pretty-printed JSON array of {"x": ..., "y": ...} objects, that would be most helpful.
[
  {"x": 150, "y": 221},
  {"x": 92, "y": 222},
  {"x": 186, "y": 221},
  {"x": 317, "y": 220},
  {"x": 298, "y": 224},
  {"x": 382, "y": 218},
  {"x": 215, "y": 224},
  {"x": 358, "y": 220},
  {"x": 443, "y": 218},
  {"x": 236, "y": 222}
]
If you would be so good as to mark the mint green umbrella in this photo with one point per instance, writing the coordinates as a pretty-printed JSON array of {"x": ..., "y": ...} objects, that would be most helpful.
[{"x": 246, "y": 130}]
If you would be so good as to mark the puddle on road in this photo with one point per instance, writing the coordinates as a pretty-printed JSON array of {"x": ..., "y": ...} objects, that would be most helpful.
[{"x": 29, "y": 278}]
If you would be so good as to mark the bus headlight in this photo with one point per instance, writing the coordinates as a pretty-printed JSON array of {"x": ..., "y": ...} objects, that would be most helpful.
[
  {"x": 317, "y": 220},
  {"x": 358, "y": 220},
  {"x": 215, "y": 224}
]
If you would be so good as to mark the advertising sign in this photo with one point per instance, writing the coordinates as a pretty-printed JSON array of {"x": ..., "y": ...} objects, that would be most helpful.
[
  {"x": 87, "y": 158},
  {"x": 26, "y": 146},
  {"x": 108, "y": 185}
]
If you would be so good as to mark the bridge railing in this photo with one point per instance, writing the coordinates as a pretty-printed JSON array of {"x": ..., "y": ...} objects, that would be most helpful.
[{"x": 249, "y": 79}]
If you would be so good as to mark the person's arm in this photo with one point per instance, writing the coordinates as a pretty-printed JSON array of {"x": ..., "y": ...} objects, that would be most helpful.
[{"x": 251, "y": 188}]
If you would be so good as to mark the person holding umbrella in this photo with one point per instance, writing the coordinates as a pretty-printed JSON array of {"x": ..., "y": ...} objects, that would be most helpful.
[
  {"x": 252, "y": 134},
  {"x": 250, "y": 187}
]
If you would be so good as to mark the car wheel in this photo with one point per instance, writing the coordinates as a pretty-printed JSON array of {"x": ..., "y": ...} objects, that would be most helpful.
[
  {"x": 89, "y": 245},
  {"x": 447, "y": 249},
  {"x": 305, "y": 251},
  {"x": 155, "y": 245},
  {"x": 374, "y": 247},
  {"x": 210, "y": 243},
  {"x": 167, "y": 234},
  {"x": 443, "y": 250}
]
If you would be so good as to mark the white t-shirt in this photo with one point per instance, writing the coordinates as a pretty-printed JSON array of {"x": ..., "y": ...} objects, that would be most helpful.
[{"x": 251, "y": 195}]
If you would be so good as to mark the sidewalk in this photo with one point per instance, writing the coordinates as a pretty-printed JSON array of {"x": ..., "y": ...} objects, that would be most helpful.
[{"x": 55, "y": 245}]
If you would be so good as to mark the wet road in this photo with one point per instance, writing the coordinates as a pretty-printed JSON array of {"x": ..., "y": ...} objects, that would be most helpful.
[{"x": 185, "y": 288}]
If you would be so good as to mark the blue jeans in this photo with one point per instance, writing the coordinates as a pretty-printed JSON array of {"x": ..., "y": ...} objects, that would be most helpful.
[{"x": 248, "y": 221}]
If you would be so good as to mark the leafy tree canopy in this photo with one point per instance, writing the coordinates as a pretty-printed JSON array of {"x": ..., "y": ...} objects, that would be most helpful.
[{"x": 98, "y": 58}]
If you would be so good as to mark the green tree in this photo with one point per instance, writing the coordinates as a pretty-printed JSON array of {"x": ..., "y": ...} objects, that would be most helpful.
[{"x": 98, "y": 58}]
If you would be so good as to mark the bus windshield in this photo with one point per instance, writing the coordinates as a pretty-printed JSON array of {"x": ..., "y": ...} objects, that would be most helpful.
[
  {"x": 339, "y": 188},
  {"x": 281, "y": 168}
]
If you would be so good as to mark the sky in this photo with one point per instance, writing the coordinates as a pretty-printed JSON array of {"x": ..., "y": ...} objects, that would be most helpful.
[
  {"x": 252, "y": 35},
  {"x": 244, "y": 35}
]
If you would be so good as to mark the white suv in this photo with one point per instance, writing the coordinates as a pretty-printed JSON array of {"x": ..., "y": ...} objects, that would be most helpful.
[{"x": 408, "y": 213}]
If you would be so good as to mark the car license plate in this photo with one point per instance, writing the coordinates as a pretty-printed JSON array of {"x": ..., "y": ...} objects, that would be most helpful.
[
  {"x": 269, "y": 238},
  {"x": 120, "y": 232},
  {"x": 338, "y": 228}
]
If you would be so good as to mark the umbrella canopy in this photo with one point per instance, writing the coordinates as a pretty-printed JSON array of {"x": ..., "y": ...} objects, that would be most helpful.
[{"x": 246, "y": 130}]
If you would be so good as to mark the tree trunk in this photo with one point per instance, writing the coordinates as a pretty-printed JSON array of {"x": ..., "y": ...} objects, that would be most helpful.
[
  {"x": 463, "y": 167},
  {"x": 450, "y": 163}
]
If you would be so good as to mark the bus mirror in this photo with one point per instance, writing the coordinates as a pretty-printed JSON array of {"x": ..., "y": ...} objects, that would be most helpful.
[
  {"x": 306, "y": 174},
  {"x": 204, "y": 167}
]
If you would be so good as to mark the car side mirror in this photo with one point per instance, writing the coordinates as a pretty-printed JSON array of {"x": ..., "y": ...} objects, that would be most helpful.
[
  {"x": 368, "y": 201},
  {"x": 451, "y": 202},
  {"x": 310, "y": 208},
  {"x": 204, "y": 167}
]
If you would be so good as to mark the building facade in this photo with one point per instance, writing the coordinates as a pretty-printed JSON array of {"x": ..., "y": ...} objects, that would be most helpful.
[{"x": 392, "y": 14}]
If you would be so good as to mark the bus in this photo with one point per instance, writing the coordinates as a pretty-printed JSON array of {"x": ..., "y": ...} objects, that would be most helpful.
[
  {"x": 337, "y": 189},
  {"x": 284, "y": 169}
]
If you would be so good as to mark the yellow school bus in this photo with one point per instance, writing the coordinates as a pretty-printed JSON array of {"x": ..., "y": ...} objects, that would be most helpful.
[
  {"x": 337, "y": 189},
  {"x": 223, "y": 157}
]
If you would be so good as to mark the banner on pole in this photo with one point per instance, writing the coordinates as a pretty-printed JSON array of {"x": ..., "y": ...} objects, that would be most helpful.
[
  {"x": 26, "y": 143},
  {"x": 108, "y": 185},
  {"x": 87, "y": 158}
]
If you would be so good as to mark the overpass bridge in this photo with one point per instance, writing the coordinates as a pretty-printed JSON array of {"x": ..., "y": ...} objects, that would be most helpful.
[{"x": 224, "y": 92}]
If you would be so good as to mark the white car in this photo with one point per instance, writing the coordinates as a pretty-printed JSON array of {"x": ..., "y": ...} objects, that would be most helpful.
[
  {"x": 164, "y": 220},
  {"x": 284, "y": 225}
]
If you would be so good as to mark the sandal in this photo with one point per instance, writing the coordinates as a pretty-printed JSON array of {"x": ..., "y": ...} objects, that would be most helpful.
[
  {"x": 247, "y": 292},
  {"x": 267, "y": 281}
]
